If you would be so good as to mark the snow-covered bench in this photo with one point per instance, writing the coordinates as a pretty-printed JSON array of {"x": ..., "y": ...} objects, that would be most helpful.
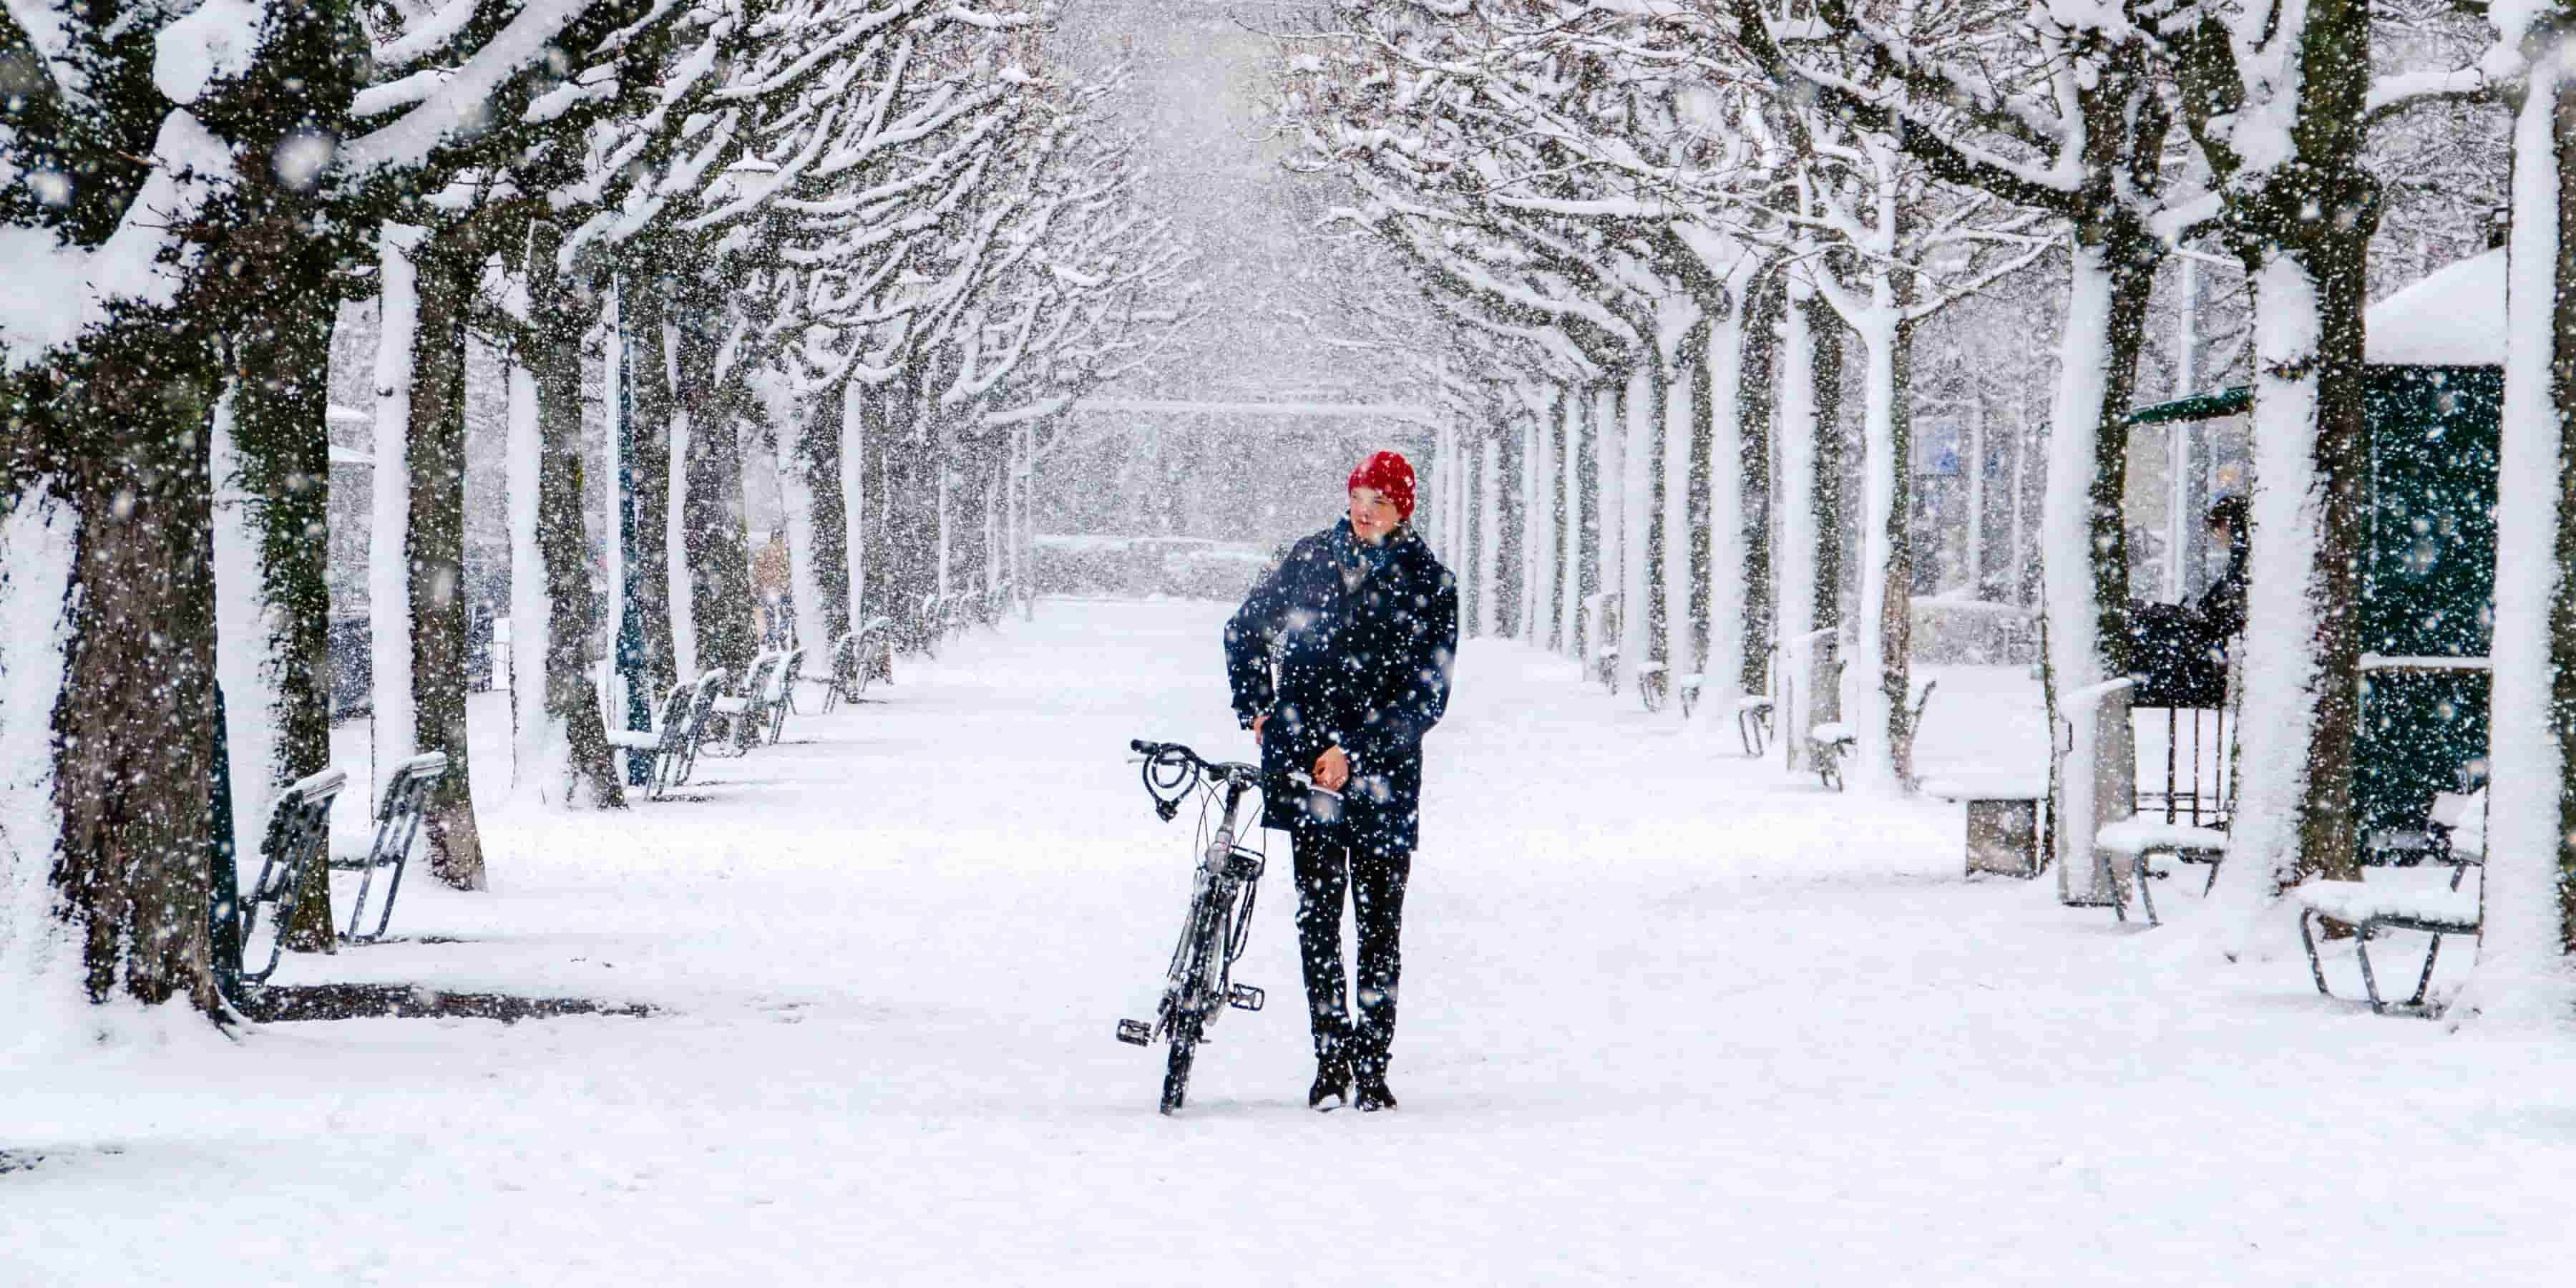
[
  {"x": 781, "y": 693},
  {"x": 2003, "y": 819},
  {"x": 855, "y": 658},
  {"x": 2394, "y": 904},
  {"x": 2140, "y": 836},
  {"x": 1834, "y": 739},
  {"x": 674, "y": 762},
  {"x": 398, "y": 818},
  {"x": 1650, "y": 684},
  {"x": 1752, "y": 713},
  {"x": 1602, "y": 609},
  {"x": 664, "y": 747},
  {"x": 743, "y": 711},
  {"x": 299, "y": 834}
]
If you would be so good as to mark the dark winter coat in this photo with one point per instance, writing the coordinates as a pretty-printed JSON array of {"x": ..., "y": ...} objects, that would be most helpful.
[
  {"x": 2222, "y": 607},
  {"x": 1363, "y": 659}
]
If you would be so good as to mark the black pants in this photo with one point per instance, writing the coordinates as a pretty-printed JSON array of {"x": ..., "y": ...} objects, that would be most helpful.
[{"x": 1327, "y": 865}]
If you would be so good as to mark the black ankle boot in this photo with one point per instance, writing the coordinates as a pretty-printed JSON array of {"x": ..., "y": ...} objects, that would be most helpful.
[
  {"x": 1373, "y": 1093},
  {"x": 1332, "y": 1087}
]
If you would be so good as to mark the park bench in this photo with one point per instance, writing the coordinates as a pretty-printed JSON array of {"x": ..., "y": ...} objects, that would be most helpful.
[
  {"x": 857, "y": 657},
  {"x": 1650, "y": 684},
  {"x": 2394, "y": 903},
  {"x": 703, "y": 693},
  {"x": 2141, "y": 836},
  {"x": 1756, "y": 714},
  {"x": 665, "y": 746},
  {"x": 923, "y": 631},
  {"x": 398, "y": 818},
  {"x": 743, "y": 710},
  {"x": 2003, "y": 819},
  {"x": 780, "y": 696},
  {"x": 299, "y": 833},
  {"x": 1834, "y": 739}
]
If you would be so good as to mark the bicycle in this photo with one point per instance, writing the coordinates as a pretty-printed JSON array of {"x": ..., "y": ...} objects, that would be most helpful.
[{"x": 1199, "y": 984}]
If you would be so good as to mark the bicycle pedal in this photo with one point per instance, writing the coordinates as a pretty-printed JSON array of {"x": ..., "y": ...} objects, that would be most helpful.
[
  {"x": 1135, "y": 1033},
  {"x": 1244, "y": 997}
]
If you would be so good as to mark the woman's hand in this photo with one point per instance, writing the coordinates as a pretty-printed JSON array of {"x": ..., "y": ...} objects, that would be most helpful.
[
  {"x": 1257, "y": 722},
  {"x": 1332, "y": 769}
]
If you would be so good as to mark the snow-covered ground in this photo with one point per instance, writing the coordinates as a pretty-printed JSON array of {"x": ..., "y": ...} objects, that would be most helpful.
[{"x": 1671, "y": 1017}]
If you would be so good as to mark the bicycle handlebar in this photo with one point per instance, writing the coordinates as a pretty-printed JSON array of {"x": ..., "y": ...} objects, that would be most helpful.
[{"x": 1174, "y": 754}]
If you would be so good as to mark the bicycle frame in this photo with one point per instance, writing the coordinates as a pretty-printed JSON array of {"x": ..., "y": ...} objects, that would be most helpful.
[
  {"x": 1224, "y": 886},
  {"x": 1224, "y": 869}
]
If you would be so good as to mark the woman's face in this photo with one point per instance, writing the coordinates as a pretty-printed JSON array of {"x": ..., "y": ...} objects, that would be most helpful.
[{"x": 1373, "y": 515}]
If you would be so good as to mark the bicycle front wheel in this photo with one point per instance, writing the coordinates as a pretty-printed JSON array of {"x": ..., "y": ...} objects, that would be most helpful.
[
  {"x": 1185, "y": 1046},
  {"x": 1188, "y": 999}
]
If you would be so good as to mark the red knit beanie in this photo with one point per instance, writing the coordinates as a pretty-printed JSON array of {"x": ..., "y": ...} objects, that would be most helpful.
[{"x": 1392, "y": 476}]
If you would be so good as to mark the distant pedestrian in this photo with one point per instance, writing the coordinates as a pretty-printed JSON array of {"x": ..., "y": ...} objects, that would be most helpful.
[{"x": 1362, "y": 622}]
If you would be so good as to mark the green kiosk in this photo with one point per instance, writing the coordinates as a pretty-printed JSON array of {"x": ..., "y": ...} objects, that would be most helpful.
[{"x": 2434, "y": 398}]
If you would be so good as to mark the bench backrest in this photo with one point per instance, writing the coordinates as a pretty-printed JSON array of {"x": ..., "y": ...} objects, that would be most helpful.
[
  {"x": 408, "y": 790},
  {"x": 299, "y": 835},
  {"x": 673, "y": 720},
  {"x": 785, "y": 675},
  {"x": 704, "y": 699}
]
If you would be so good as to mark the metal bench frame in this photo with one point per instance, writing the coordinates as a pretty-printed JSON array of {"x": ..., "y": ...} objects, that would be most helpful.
[
  {"x": 2142, "y": 875},
  {"x": 855, "y": 658},
  {"x": 2460, "y": 862},
  {"x": 702, "y": 701},
  {"x": 781, "y": 696},
  {"x": 1829, "y": 751},
  {"x": 299, "y": 831},
  {"x": 748, "y": 707},
  {"x": 667, "y": 745},
  {"x": 398, "y": 820},
  {"x": 2361, "y": 948}
]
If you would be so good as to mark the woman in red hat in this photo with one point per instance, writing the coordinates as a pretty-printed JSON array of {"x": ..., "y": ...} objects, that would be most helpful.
[{"x": 1364, "y": 624}]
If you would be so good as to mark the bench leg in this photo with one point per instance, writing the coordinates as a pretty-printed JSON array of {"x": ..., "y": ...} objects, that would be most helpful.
[
  {"x": 2369, "y": 979},
  {"x": 2425, "y": 981},
  {"x": 2308, "y": 940},
  {"x": 2103, "y": 873},
  {"x": 2146, "y": 897}
]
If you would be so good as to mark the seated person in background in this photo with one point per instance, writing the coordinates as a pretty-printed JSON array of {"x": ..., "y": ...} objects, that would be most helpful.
[
  {"x": 2221, "y": 610},
  {"x": 2179, "y": 651}
]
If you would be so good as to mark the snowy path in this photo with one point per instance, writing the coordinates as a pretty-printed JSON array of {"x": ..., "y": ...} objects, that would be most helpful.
[{"x": 1671, "y": 1018}]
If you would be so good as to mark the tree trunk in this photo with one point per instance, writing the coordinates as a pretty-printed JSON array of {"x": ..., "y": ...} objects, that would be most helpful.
[
  {"x": 647, "y": 331},
  {"x": 716, "y": 545},
  {"x": 564, "y": 752},
  {"x": 1488, "y": 464},
  {"x": 1805, "y": 525},
  {"x": 272, "y": 644},
  {"x": 1683, "y": 436},
  {"x": 2084, "y": 558},
  {"x": 434, "y": 551},
  {"x": 1570, "y": 548},
  {"x": 2523, "y": 977},
  {"x": 2304, "y": 232},
  {"x": 1884, "y": 758},
  {"x": 392, "y": 717},
  {"x": 1826, "y": 332},
  {"x": 1763, "y": 306},
  {"x": 1641, "y": 416},
  {"x": 809, "y": 462},
  {"x": 132, "y": 738}
]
